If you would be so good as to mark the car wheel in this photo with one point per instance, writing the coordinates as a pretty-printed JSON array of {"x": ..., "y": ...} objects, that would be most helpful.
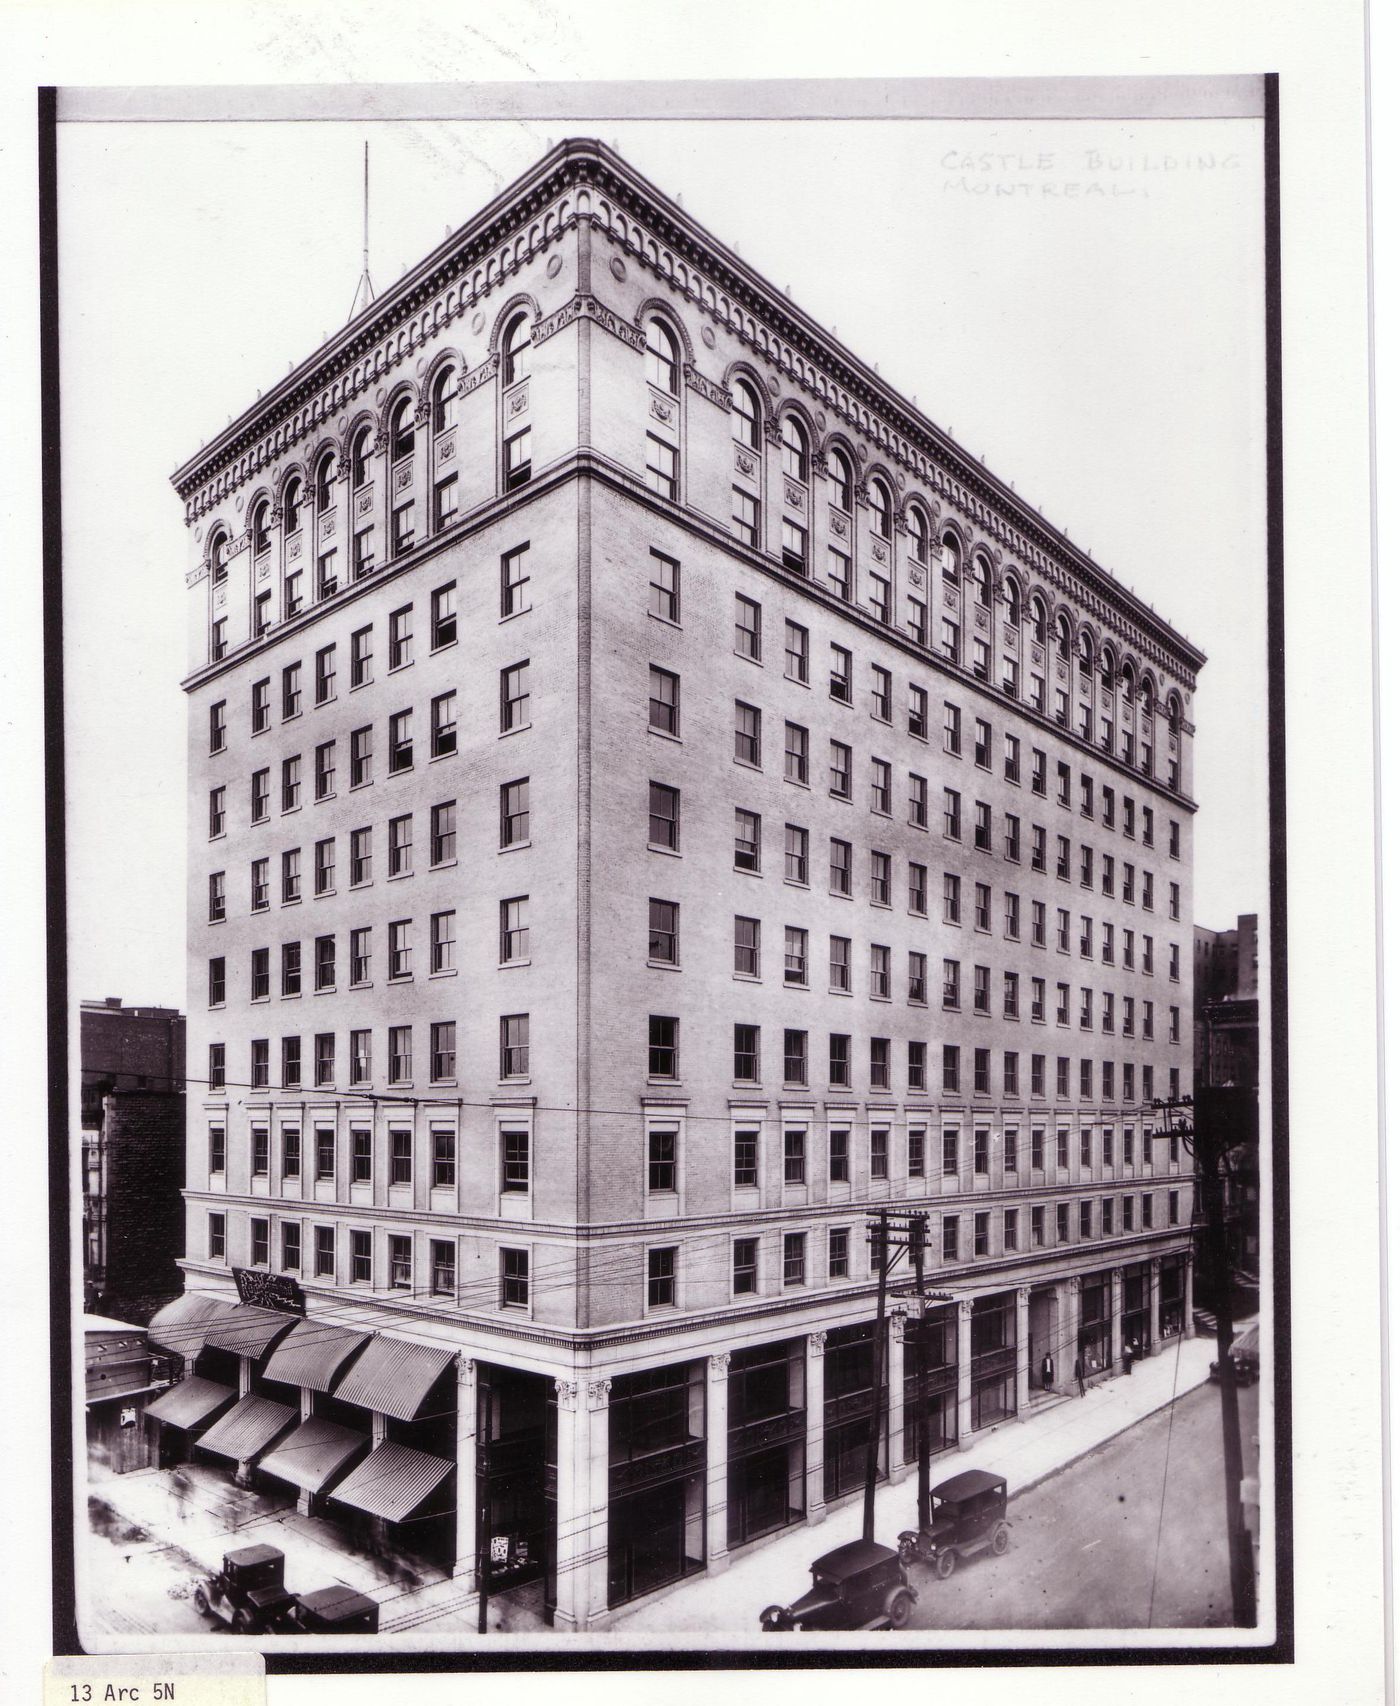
[
  {"x": 769, "y": 1616},
  {"x": 945, "y": 1564},
  {"x": 243, "y": 1621},
  {"x": 900, "y": 1607},
  {"x": 1001, "y": 1539},
  {"x": 908, "y": 1551},
  {"x": 201, "y": 1602}
]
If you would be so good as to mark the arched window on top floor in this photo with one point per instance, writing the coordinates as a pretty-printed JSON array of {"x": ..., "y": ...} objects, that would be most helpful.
[
  {"x": 291, "y": 505},
  {"x": 361, "y": 448},
  {"x": 1146, "y": 704},
  {"x": 1039, "y": 625},
  {"x": 401, "y": 431},
  {"x": 747, "y": 422},
  {"x": 952, "y": 556},
  {"x": 515, "y": 349},
  {"x": 918, "y": 535},
  {"x": 1013, "y": 603},
  {"x": 445, "y": 400},
  {"x": 218, "y": 557},
  {"x": 257, "y": 527},
  {"x": 663, "y": 357},
  {"x": 982, "y": 580},
  {"x": 795, "y": 464},
  {"x": 881, "y": 509},
  {"x": 1173, "y": 715},
  {"x": 1086, "y": 657},
  {"x": 1106, "y": 676},
  {"x": 1063, "y": 644},
  {"x": 325, "y": 478},
  {"x": 838, "y": 467}
]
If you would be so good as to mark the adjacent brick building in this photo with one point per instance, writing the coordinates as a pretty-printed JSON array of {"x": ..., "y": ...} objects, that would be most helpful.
[
  {"x": 654, "y": 797},
  {"x": 133, "y": 1143}
]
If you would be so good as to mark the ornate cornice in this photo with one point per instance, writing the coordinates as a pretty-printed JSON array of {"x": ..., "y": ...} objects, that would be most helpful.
[{"x": 584, "y": 180}]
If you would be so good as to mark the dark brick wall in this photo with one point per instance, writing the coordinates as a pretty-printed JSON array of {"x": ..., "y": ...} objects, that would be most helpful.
[
  {"x": 129, "y": 1048},
  {"x": 145, "y": 1214}
]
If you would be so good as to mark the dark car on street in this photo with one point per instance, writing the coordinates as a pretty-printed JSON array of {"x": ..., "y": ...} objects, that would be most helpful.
[
  {"x": 967, "y": 1516},
  {"x": 334, "y": 1611},
  {"x": 861, "y": 1585},
  {"x": 248, "y": 1592}
]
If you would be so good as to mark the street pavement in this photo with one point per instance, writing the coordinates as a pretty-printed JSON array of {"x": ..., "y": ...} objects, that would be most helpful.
[{"x": 1130, "y": 1537}]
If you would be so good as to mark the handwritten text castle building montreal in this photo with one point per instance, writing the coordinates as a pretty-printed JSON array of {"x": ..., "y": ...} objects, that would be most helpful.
[{"x": 653, "y": 797}]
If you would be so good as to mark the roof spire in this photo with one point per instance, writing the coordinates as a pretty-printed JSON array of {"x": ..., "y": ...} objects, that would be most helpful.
[{"x": 364, "y": 290}]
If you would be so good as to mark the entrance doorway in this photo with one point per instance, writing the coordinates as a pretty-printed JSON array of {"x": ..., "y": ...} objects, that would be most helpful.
[{"x": 1044, "y": 1340}]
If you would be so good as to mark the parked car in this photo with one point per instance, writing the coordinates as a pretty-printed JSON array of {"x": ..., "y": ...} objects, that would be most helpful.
[
  {"x": 861, "y": 1585},
  {"x": 334, "y": 1611},
  {"x": 248, "y": 1593},
  {"x": 967, "y": 1515},
  {"x": 1246, "y": 1367}
]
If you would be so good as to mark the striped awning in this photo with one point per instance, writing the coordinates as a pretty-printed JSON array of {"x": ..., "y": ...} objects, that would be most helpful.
[
  {"x": 312, "y": 1354},
  {"x": 1248, "y": 1341},
  {"x": 191, "y": 1402},
  {"x": 392, "y": 1481},
  {"x": 248, "y": 1329},
  {"x": 311, "y": 1454},
  {"x": 248, "y": 1428},
  {"x": 182, "y": 1324},
  {"x": 393, "y": 1376}
]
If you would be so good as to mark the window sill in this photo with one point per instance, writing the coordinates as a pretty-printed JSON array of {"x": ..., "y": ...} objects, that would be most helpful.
[
  {"x": 398, "y": 876},
  {"x": 367, "y": 783},
  {"x": 511, "y": 615},
  {"x": 437, "y": 757},
  {"x": 398, "y": 668},
  {"x": 670, "y": 852},
  {"x": 653, "y": 965},
  {"x": 452, "y": 972},
  {"x": 518, "y": 729},
  {"x": 515, "y": 965},
  {"x": 840, "y": 894},
  {"x": 663, "y": 734}
]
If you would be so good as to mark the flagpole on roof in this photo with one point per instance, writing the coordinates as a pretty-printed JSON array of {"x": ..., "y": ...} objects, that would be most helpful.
[{"x": 364, "y": 290}]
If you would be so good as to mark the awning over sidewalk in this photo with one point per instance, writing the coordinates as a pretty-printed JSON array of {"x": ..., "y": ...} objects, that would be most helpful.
[
  {"x": 1247, "y": 1343},
  {"x": 249, "y": 1427},
  {"x": 392, "y": 1481},
  {"x": 183, "y": 1322},
  {"x": 190, "y": 1403},
  {"x": 310, "y": 1455},
  {"x": 393, "y": 1376},
  {"x": 312, "y": 1354},
  {"x": 248, "y": 1329}
]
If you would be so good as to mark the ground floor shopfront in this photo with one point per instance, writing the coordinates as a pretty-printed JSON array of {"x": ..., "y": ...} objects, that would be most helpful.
[{"x": 590, "y": 1489}]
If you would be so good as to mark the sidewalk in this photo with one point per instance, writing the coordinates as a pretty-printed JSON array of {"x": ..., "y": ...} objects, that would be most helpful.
[{"x": 1054, "y": 1435}]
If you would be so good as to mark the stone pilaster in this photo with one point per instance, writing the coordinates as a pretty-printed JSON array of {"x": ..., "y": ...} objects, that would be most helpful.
[
  {"x": 898, "y": 1468},
  {"x": 816, "y": 1427},
  {"x": 964, "y": 1373},
  {"x": 717, "y": 1465},
  {"x": 465, "y": 1563},
  {"x": 1115, "y": 1321},
  {"x": 1154, "y": 1307},
  {"x": 1023, "y": 1348}
]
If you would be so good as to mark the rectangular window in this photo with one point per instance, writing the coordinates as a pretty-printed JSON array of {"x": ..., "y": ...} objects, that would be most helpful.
[
  {"x": 325, "y": 963},
  {"x": 443, "y": 942},
  {"x": 663, "y": 947},
  {"x": 216, "y": 982},
  {"x": 401, "y": 846},
  {"x": 400, "y": 1050},
  {"x": 918, "y": 977},
  {"x": 794, "y": 546},
  {"x": 664, "y": 825},
  {"x": 795, "y": 1157},
  {"x": 746, "y": 1038},
  {"x": 515, "y": 1045},
  {"x": 744, "y": 514},
  {"x": 218, "y": 1246},
  {"x": 918, "y": 889},
  {"x": 664, "y": 703},
  {"x": 217, "y": 1066},
  {"x": 663, "y": 1046},
  {"x": 879, "y": 1152},
  {"x": 444, "y": 503},
  {"x": 665, "y": 588},
  {"x": 259, "y": 1162},
  {"x": 442, "y": 837},
  {"x": 918, "y": 712},
  {"x": 661, "y": 1159},
  {"x": 838, "y": 573},
  {"x": 747, "y": 840},
  {"x": 841, "y": 675},
  {"x": 444, "y": 729},
  {"x": 361, "y": 1155},
  {"x": 325, "y": 1067},
  {"x": 982, "y": 1071},
  {"x": 217, "y": 805},
  {"x": 918, "y": 801},
  {"x": 880, "y": 787},
  {"x": 515, "y": 581},
  {"x": 950, "y": 1238},
  {"x": 952, "y": 814},
  {"x": 795, "y": 754},
  {"x": 218, "y": 639},
  {"x": 515, "y": 1278},
  {"x": 258, "y": 1241},
  {"x": 795, "y": 652},
  {"x": 515, "y": 1161},
  {"x": 838, "y": 1066},
  {"x": 401, "y": 636},
  {"x": 745, "y": 1268},
  {"x": 879, "y": 879},
  {"x": 291, "y": 691},
  {"x": 952, "y": 1070},
  {"x": 840, "y": 770},
  {"x": 442, "y": 1038},
  {"x": 746, "y": 1158},
  {"x": 260, "y": 976},
  {"x": 515, "y": 812},
  {"x": 746, "y": 947},
  {"x": 661, "y": 1278},
  {"x": 517, "y": 462},
  {"x": 795, "y": 1057},
  {"x": 400, "y": 742},
  {"x": 218, "y": 1149},
  {"x": 443, "y": 622},
  {"x": 748, "y": 737},
  {"x": 794, "y": 1258},
  {"x": 291, "y": 876},
  {"x": 879, "y": 971},
  {"x": 361, "y": 757},
  {"x": 262, "y": 705},
  {"x": 218, "y": 726},
  {"x": 794, "y": 956}
]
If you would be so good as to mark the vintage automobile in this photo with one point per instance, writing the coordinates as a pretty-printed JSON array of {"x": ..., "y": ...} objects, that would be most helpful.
[
  {"x": 334, "y": 1611},
  {"x": 861, "y": 1585},
  {"x": 967, "y": 1515},
  {"x": 1244, "y": 1356},
  {"x": 248, "y": 1593}
]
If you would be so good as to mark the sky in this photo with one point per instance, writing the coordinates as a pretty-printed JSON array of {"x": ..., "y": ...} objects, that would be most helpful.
[{"x": 1079, "y": 303}]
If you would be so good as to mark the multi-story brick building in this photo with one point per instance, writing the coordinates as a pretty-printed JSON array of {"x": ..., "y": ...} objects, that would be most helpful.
[
  {"x": 654, "y": 798},
  {"x": 132, "y": 1114}
]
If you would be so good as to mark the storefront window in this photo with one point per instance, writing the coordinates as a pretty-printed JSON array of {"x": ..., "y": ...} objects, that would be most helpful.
[{"x": 767, "y": 1444}]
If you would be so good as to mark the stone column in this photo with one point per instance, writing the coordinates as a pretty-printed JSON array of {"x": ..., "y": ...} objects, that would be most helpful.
[
  {"x": 1154, "y": 1306},
  {"x": 1064, "y": 1341},
  {"x": 581, "y": 1506},
  {"x": 1072, "y": 1327},
  {"x": 1115, "y": 1319},
  {"x": 1023, "y": 1347},
  {"x": 595, "y": 1601},
  {"x": 816, "y": 1427},
  {"x": 464, "y": 1564},
  {"x": 964, "y": 1374},
  {"x": 1188, "y": 1315},
  {"x": 898, "y": 1468},
  {"x": 717, "y": 1465}
]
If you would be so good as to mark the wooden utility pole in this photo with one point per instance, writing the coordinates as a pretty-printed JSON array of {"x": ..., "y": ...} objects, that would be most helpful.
[
  {"x": 918, "y": 1237},
  {"x": 1219, "y": 1124},
  {"x": 880, "y": 1233}
]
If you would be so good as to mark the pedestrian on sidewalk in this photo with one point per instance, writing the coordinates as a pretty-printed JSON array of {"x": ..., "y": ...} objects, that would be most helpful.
[
  {"x": 1047, "y": 1374},
  {"x": 1079, "y": 1374},
  {"x": 1127, "y": 1357}
]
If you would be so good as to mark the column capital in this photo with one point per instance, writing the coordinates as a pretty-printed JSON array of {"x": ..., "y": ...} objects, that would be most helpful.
[
  {"x": 1155, "y": 1263},
  {"x": 719, "y": 1365},
  {"x": 1117, "y": 1274},
  {"x": 816, "y": 1344},
  {"x": 466, "y": 1371},
  {"x": 598, "y": 1394},
  {"x": 566, "y": 1394},
  {"x": 899, "y": 1319},
  {"x": 964, "y": 1309},
  {"x": 1023, "y": 1294}
]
